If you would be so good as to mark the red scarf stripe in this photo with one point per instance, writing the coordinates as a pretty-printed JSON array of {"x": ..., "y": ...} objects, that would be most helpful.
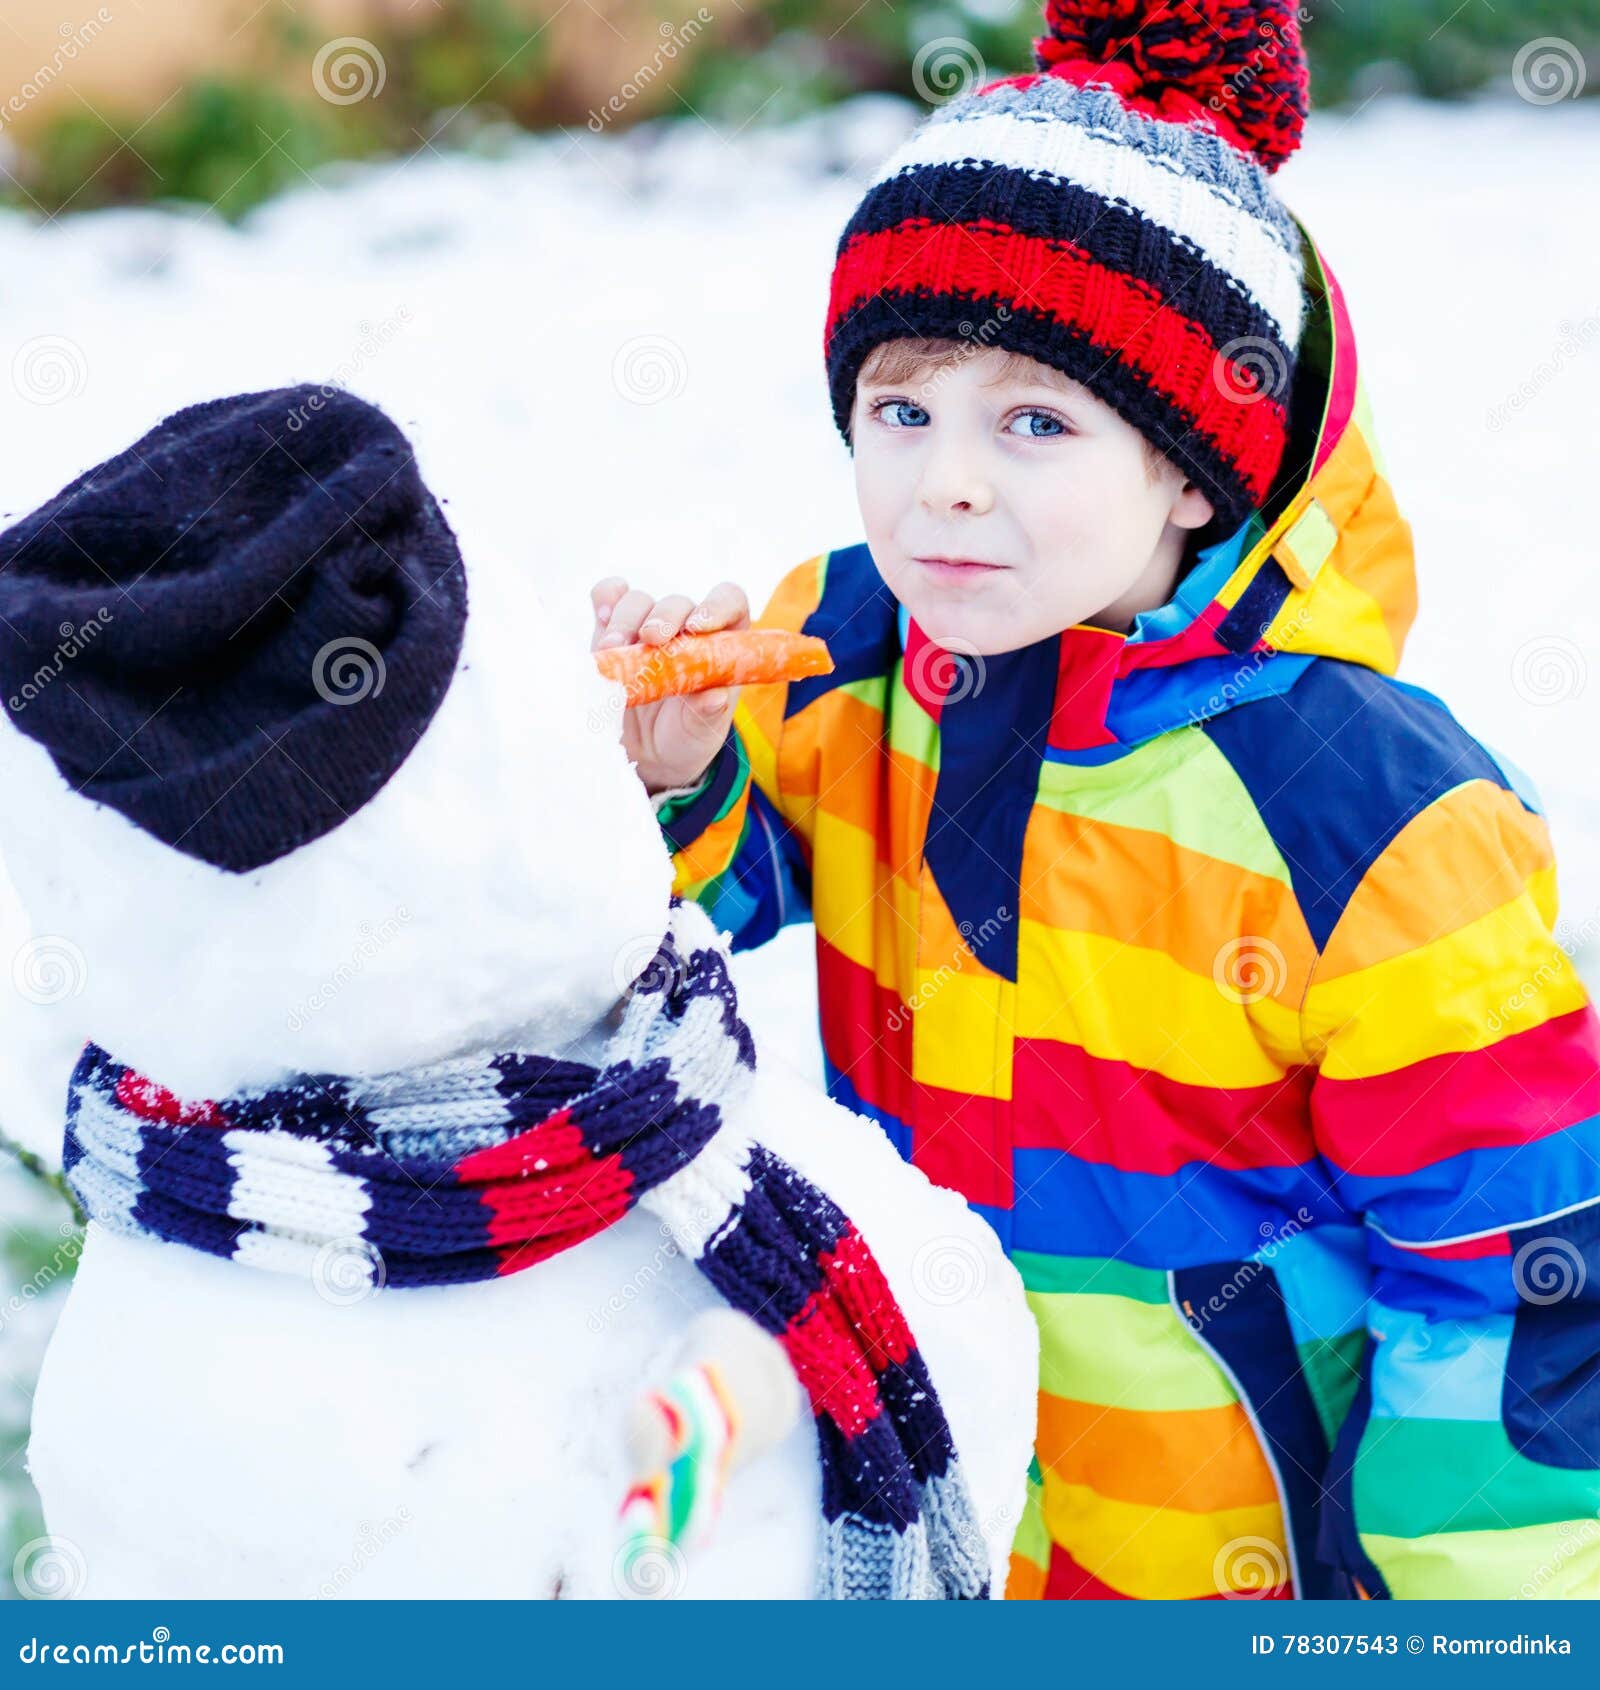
[
  {"x": 846, "y": 1333},
  {"x": 143, "y": 1097}
]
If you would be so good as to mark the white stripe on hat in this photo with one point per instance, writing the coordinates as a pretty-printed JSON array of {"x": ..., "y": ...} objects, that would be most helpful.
[{"x": 1240, "y": 245}]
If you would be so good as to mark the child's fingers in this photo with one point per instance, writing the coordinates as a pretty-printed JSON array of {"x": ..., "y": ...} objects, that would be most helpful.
[
  {"x": 627, "y": 613},
  {"x": 711, "y": 706},
  {"x": 725, "y": 606},
  {"x": 666, "y": 618},
  {"x": 603, "y": 597}
]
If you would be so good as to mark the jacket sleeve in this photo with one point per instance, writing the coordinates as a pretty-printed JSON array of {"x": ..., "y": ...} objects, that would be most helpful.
[
  {"x": 739, "y": 841},
  {"x": 1455, "y": 1099}
]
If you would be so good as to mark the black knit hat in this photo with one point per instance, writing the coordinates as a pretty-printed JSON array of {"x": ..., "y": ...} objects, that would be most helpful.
[{"x": 235, "y": 631}]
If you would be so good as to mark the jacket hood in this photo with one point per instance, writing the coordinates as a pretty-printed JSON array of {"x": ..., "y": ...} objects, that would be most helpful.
[{"x": 1324, "y": 568}]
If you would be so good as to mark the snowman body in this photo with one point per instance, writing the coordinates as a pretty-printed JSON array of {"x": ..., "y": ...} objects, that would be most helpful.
[
  {"x": 206, "y": 1429},
  {"x": 203, "y": 1429}
]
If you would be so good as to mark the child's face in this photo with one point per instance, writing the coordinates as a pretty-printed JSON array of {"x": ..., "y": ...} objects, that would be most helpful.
[{"x": 1000, "y": 460}]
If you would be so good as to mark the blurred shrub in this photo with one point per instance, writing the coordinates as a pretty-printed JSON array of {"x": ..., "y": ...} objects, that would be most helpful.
[
  {"x": 39, "y": 1243},
  {"x": 230, "y": 143},
  {"x": 1354, "y": 44}
]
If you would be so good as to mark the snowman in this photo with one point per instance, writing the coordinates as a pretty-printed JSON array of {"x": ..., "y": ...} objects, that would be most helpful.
[{"x": 439, "y": 1201}]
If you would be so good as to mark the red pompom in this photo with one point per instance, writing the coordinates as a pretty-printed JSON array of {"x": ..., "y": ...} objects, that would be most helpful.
[{"x": 1238, "y": 66}]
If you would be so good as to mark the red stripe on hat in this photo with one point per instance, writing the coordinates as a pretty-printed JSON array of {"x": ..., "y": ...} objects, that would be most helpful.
[{"x": 1123, "y": 315}]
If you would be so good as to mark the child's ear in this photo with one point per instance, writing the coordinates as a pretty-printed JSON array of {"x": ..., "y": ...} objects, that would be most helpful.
[{"x": 1191, "y": 508}]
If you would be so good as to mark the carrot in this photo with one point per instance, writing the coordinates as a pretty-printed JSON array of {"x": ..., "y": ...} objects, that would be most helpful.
[{"x": 726, "y": 657}]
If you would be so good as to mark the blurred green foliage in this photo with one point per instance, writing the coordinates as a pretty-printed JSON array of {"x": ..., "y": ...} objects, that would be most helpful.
[
  {"x": 40, "y": 1237},
  {"x": 472, "y": 63}
]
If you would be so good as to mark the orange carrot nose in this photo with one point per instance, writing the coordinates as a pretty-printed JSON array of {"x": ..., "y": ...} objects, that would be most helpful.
[{"x": 726, "y": 657}]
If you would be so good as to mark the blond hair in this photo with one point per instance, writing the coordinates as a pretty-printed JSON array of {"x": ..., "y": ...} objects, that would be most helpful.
[{"x": 908, "y": 359}]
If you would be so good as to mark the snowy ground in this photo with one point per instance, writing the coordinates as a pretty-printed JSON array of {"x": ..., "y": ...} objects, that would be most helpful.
[{"x": 610, "y": 349}]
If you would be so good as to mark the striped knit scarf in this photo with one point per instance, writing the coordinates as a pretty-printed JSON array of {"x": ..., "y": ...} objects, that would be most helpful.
[{"x": 481, "y": 1166}]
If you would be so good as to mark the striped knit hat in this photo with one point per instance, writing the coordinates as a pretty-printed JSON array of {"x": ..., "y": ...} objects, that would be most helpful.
[{"x": 1109, "y": 215}]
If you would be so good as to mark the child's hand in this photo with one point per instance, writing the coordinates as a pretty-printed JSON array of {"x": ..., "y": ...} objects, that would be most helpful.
[{"x": 673, "y": 740}]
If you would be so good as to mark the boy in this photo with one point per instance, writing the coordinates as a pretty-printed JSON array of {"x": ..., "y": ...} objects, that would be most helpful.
[{"x": 1214, "y": 966}]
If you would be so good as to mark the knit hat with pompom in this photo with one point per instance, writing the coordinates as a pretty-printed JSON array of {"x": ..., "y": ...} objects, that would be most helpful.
[{"x": 1108, "y": 214}]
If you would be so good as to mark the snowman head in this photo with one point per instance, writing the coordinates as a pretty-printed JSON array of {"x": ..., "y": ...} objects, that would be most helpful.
[{"x": 293, "y": 788}]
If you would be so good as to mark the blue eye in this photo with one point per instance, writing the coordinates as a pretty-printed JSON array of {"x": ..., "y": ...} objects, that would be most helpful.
[
  {"x": 918, "y": 417},
  {"x": 1054, "y": 424}
]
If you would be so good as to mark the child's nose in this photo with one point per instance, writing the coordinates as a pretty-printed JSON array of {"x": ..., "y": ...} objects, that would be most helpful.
[{"x": 951, "y": 487}]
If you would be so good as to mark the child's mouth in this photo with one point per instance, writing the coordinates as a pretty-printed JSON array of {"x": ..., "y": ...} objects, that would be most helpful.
[{"x": 957, "y": 568}]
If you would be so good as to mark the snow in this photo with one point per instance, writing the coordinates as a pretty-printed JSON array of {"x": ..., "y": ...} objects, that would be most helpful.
[
  {"x": 608, "y": 351},
  {"x": 260, "y": 1430}
]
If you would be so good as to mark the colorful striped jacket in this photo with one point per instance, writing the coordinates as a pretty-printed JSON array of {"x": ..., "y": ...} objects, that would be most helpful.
[{"x": 1216, "y": 968}]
